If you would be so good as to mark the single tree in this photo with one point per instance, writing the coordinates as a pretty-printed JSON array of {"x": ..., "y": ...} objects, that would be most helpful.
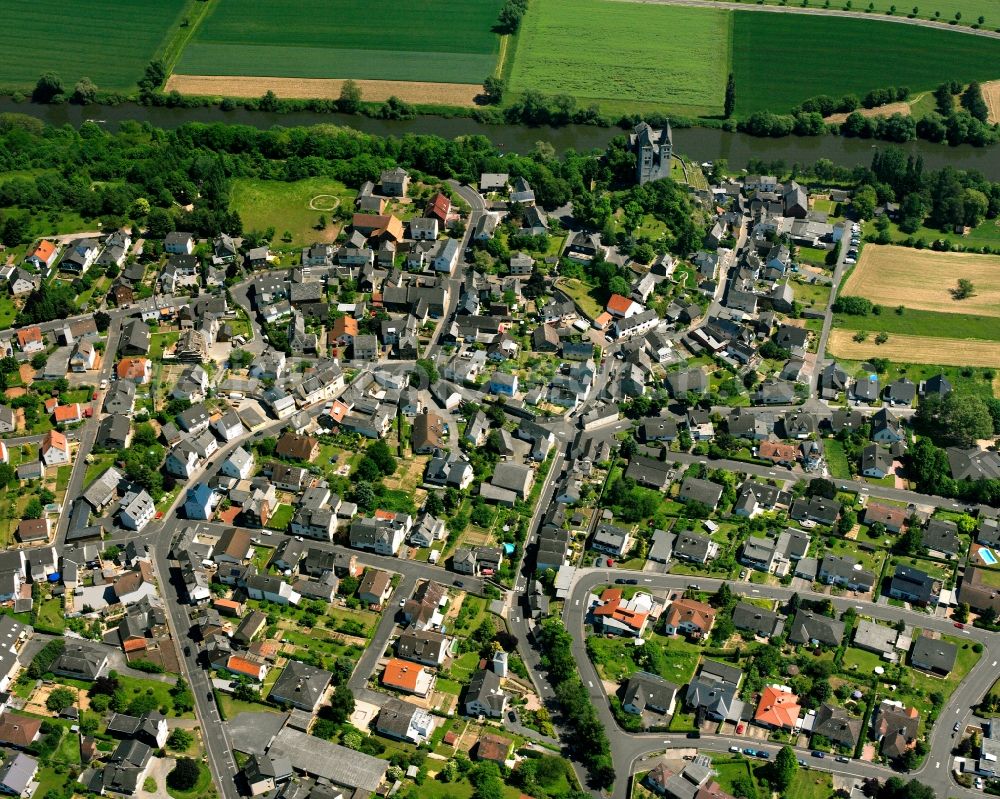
[
  {"x": 350, "y": 97},
  {"x": 179, "y": 740},
  {"x": 730, "y": 102},
  {"x": 785, "y": 766},
  {"x": 184, "y": 775},
  {"x": 34, "y": 509},
  {"x": 48, "y": 87},
  {"x": 85, "y": 92},
  {"x": 60, "y": 698},
  {"x": 493, "y": 89},
  {"x": 964, "y": 289}
]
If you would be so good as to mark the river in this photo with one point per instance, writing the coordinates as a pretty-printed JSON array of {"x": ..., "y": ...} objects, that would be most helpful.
[{"x": 699, "y": 144}]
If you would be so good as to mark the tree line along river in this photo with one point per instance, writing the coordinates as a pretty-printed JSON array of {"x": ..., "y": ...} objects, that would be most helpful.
[{"x": 698, "y": 144}]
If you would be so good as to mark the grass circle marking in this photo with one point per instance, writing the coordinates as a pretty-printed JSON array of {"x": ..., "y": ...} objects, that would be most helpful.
[{"x": 325, "y": 202}]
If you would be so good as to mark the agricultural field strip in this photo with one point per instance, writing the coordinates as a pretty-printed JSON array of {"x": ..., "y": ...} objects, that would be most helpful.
[
  {"x": 646, "y": 53},
  {"x": 463, "y": 94},
  {"x": 923, "y": 323},
  {"x": 108, "y": 41},
  {"x": 917, "y": 349},
  {"x": 822, "y": 45},
  {"x": 435, "y": 41},
  {"x": 923, "y": 279}
]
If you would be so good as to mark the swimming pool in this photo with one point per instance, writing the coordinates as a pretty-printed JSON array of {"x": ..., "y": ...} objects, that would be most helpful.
[{"x": 988, "y": 557}]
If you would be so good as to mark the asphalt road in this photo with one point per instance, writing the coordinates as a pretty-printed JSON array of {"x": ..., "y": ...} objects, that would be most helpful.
[{"x": 87, "y": 433}]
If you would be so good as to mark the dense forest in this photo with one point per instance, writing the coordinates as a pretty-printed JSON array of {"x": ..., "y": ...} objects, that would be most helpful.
[{"x": 147, "y": 176}]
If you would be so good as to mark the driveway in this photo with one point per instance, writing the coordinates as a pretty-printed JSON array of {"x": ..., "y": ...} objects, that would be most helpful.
[{"x": 159, "y": 768}]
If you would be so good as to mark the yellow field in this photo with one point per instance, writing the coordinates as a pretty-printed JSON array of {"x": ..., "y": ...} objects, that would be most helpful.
[
  {"x": 916, "y": 349},
  {"x": 923, "y": 280},
  {"x": 991, "y": 94},
  {"x": 463, "y": 94}
]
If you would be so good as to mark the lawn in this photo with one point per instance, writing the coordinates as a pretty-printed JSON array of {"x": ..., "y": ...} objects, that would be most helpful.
[
  {"x": 433, "y": 41},
  {"x": 907, "y": 56},
  {"x": 50, "y": 614},
  {"x": 158, "y": 342},
  {"x": 615, "y": 658},
  {"x": 811, "y": 296},
  {"x": 8, "y": 311},
  {"x": 590, "y": 298},
  {"x": 281, "y": 517},
  {"x": 285, "y": 206},
  {"x": 939, "y": 571},
  {"x": 836, "y": 459},
  {"x": 862, "y": 661},
  {"x": 987, "y": 234},
  {"x": 869, "y": 560},
  {"x": 729, "y": 771},
  {"x": 624, "y": 55},
  {"x": 108, "y": 41},
  {"x": 63, "y": 473},
  {"x": 811, "y": 784}
]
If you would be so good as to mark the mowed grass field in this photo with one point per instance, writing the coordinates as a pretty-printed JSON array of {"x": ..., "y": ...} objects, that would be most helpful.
[
  {"x": 286, "y": 206},
  {"x": 434, "y": 40},
  {"x": 623, "y": 55},
  {"x": 917, "y": 349},
  {"x": 108, "y": 41},
  {"x": 923, "y": 279},
  {"x": 836, "y": 56}
]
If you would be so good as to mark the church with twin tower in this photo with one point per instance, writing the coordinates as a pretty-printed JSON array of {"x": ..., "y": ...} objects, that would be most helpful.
[{"x": 652, "y": 149}]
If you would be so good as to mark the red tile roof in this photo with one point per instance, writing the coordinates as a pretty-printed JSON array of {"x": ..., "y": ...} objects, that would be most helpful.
[
  {"x": 26, "y": 335},
  {"x": 68, "y": 413},
  {"x": 402, "y": 674},
  {"x": 778, "y": 708},
  {"x": 44, "y": 250},
  {"x": 776, "y": 451},
  {"x": 617, "y": 304}
]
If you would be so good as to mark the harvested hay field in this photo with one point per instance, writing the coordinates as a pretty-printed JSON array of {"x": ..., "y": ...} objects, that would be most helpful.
[
  {"x": 923, "y": 279},
  {"x": 991, "y": 94},
  {"x": 463, "y": 94},
  {"x": 917, "y": 349},
  {"x": 879, "y": 111}
]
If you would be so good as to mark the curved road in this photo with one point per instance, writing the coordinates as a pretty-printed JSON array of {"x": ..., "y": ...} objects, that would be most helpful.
[{"x": 630, "y": 749}]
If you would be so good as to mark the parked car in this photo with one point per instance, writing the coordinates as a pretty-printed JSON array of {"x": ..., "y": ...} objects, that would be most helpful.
[
  {"x": 817, "y": 753},
  {"x": 750, "y": 752},
  {"x": 763, "y": 755},
  {"x": 957, "y": 727},
  {"x": 735, "y": 749},
  {"x": 843, "y": 759}
]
